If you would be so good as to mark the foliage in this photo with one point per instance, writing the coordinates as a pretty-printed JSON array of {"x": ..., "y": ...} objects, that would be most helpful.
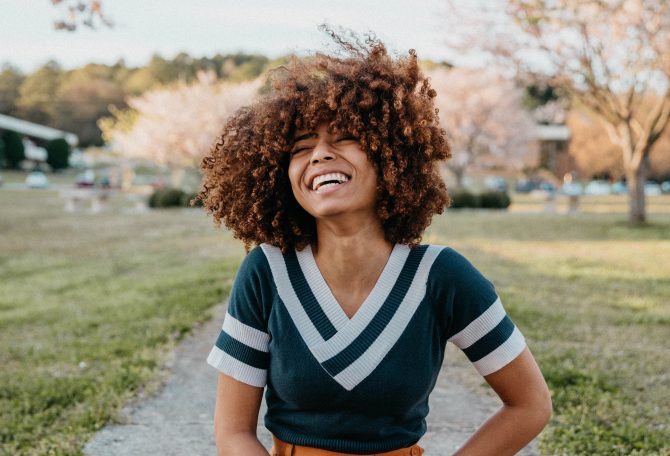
[
  {"x": 36, "y": 94},
  {"x": 58, "y": 153},
  {"x": 487, "y": 200},
  {"x": 14, "y": 150},
  {"x": 176, "y": 125},
  {"x": 188, "y": 197},
  {"x": 464, "y": 199},
  {"x": 167, "y": 197},
  {"x": 3, "y": 159},
  {"x": 10, "y": 81},
  {"x": 482, "y": 113},
  {"x": 494, "y": 200},
  {"x": 596, "y": 155},
  {"x": 83, "y": 96}
]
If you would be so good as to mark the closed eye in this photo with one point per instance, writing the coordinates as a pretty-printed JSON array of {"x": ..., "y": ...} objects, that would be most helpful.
[
  {"x": 297, "y": 150},
  {"x": 347, "y": 138}
]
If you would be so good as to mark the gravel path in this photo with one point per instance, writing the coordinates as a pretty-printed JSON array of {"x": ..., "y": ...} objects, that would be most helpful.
[{"x": 178, "y": 420}]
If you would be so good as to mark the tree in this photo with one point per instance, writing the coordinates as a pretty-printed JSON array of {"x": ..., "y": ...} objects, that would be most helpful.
[
  {"x": 58, "y": 153},
  {"x": 176, "y": 125},
  {"x": 36, "y": 94},
  {"x": 610, "y": 57},
  {"x": 14, "y": 150},
  {"x": 82, "y": 98},
  {"x": 10, "y": 81},
  {"x": 596, "y": 155},
  {"x": 482, "y": 114}
]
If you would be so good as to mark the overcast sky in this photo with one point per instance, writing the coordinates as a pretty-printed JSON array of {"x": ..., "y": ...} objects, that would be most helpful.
[{"x": 205, "y": 27}]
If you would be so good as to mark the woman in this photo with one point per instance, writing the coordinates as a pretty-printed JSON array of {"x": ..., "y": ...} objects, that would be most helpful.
[{"x": 339, "y": 311}]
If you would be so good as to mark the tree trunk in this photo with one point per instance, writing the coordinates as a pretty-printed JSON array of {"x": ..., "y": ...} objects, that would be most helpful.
[
  {"x": 459, "y": 174},
  {"x": 636, "y": 177}
]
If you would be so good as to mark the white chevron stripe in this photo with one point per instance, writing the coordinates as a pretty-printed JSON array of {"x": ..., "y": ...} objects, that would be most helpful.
[
  {"x": 502, "y": 355},
  {"x": 307, "y": 330},
  {"x": 480, "y": 326},
  {"x": 249, "y": 336},
  {"x": 320, "y": 288},
  {"x": 235, "y": 368},
  {"x": 368, "y": 309},
  {"x": 357, "y": 371}
]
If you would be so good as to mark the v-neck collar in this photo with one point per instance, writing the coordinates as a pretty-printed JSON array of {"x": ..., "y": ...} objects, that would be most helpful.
[
  {"x": 350, "y": 349},
  {"x": 372, "y": 302}
]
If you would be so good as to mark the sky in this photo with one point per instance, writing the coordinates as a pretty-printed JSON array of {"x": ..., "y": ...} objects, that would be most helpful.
[{"x": 207, "y": 27}]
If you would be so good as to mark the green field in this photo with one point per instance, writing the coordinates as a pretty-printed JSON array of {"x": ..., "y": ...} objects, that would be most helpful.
[{"x": 90, "y": 305}]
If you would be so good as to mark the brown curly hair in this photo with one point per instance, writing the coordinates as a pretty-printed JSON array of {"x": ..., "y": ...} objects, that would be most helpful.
[{"x": 386, "y": 103}]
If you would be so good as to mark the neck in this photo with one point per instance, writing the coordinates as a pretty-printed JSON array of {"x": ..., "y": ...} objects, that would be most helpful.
[{"x": 353, "y": 253}]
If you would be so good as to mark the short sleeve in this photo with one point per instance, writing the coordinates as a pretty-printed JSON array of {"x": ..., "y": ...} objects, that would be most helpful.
[
  {"x": 241, "y": 349},
  {"x": 474, "y": 318}
]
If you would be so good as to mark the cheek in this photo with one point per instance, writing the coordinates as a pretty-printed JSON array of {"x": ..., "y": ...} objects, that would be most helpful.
[{"x": 294, "y": 177}]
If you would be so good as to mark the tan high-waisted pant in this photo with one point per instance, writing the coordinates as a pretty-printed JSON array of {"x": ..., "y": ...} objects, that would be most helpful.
[{"x": 281, "y": 448}]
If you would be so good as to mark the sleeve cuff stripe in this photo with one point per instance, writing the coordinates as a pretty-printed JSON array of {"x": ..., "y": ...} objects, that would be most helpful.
[
  {"x": 246, "y": 334},
  {"x": 242, "y": 352},
  {"x": 232, "y": 367},
  {"x": 502, "y": 355},
  {"x": 494, "y": 339},
  {"x": 480, "y": 326}
]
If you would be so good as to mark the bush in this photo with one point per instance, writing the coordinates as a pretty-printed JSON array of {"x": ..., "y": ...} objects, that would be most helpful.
[
  {"x": 14, "y": 150},
  {"x": 3, "y": 162},
  {"x": 462, "y": 199},
  {"x": 166, "y": 197},
  {"x": 494, "y": 200},
  {"x": 58, "y": 153},
  {"x": 487, "y": 200},
  {"x": 186, "y": 200}
]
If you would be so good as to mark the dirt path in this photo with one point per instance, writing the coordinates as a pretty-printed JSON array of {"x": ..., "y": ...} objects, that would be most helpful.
[{"x": 178, "y": 421}]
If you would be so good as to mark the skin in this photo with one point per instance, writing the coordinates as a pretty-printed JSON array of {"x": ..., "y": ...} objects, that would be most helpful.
[{"x": 351, "y": 252}]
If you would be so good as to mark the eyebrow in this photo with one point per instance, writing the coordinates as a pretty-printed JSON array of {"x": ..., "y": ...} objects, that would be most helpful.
[{"x": 305, "y": 136}]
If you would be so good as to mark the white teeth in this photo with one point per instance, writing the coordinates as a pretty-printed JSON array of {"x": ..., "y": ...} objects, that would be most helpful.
[{"x": 339, "y": 177}]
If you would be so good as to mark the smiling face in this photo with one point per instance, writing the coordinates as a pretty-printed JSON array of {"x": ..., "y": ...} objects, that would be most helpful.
[{"x": 330, "y": 175}]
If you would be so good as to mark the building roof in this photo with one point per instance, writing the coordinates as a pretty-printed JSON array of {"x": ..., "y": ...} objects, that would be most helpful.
[{"x": 36, "y": 130}]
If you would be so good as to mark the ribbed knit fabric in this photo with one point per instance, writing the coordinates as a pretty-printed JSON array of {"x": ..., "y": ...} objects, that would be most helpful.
[{"x": 358, "y": 385}]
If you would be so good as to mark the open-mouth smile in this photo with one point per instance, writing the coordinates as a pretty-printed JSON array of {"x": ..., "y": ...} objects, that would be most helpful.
[{"x": 323, "y": 182}]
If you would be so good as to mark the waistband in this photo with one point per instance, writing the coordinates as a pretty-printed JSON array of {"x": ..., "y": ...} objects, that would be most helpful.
[{"x": 281, "y": 448}]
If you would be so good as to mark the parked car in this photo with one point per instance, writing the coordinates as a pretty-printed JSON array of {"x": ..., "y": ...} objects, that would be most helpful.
[
  {"x": 85, "y": 179},
  {"x": 652, "y": 188},
  {"x": 37, "y": 179},
  {"x": 571, "y": 189},
  {"x": 496, "y": 184},
  {"x": 665, "y": 187},
  {"x": 598, "y": 187}
]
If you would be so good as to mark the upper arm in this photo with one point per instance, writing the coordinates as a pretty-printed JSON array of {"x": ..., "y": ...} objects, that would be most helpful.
[
  {"x": 237, "y": 406},
  {"x": 520, "y": 383}
]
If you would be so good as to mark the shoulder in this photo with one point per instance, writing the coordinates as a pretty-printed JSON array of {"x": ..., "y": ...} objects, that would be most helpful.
[{"x": 453, "y": 268}]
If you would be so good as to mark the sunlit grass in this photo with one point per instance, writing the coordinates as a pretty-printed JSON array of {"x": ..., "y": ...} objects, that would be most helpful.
[{"x": 89, "y": 305}]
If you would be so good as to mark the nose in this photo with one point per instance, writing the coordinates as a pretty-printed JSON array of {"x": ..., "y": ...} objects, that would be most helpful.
[{"x": 321, "y": 153}]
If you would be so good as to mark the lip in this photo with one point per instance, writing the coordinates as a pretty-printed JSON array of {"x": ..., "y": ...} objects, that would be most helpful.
[{"x": 321, "y": 173}]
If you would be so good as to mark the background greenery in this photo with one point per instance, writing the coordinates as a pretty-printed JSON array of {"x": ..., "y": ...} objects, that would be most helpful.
[{"x": 90, "y": 304}]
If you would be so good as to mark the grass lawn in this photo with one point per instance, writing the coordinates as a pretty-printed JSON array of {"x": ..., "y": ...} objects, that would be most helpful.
[{"x": 89, "y": 305}]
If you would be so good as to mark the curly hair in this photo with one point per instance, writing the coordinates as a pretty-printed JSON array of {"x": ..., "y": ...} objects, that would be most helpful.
[{"x": 385, "y": 103}]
